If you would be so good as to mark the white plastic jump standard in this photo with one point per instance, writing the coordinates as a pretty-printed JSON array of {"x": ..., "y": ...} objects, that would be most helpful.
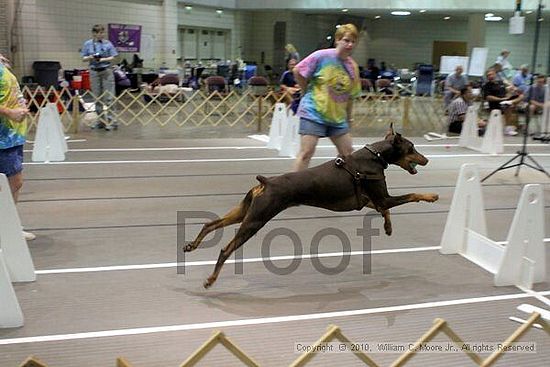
[
  {"x": 10, "y": 311},
  {"x": 278, "y": 123},
  {"x": 16, "y": 252},
  {"x": 522, "y": 260},
  {"x": 469, "y": 137},
  {"x": 492, "y": 141},
  {"x": 290, "y": 145},
  {"x": 50, "y": 143}
]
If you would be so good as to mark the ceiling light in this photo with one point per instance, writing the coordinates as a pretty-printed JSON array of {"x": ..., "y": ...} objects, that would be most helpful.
[
  {"x": 447, "y": 18},
  {"x": 528, "y": 12},
  {"x": 377, "y": 17},
  {"x": 423, "y": 11},
  {"x": 493, "y": 19},
  {"x": 345, "y": 10},
  {"x": 399, "y": 12},
  {"x": 489, "y": 15},
  {"x": 219, "y": 11}
]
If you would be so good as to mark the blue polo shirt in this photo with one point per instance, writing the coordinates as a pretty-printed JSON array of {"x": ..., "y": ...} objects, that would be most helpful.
[{"x": 104, "y": 47}]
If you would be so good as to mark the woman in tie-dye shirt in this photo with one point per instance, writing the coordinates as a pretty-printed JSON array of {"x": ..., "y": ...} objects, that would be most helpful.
[
  {"x": 330, "y": 79},
  {"x": 13, "y": 130}
]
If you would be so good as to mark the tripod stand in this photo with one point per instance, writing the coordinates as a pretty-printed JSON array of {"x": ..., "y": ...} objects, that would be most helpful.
[{"x": 522, "y": 154}]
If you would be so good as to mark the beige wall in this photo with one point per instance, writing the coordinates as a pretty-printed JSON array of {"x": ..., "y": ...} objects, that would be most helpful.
[{"x": 56, "y": 29}]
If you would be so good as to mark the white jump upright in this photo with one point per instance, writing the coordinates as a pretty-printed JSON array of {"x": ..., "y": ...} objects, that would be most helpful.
[
  {"x": 10, "y": 311},
  {"x": 16, "y": 252},
  {"x": 522, "y": 260},
  {"x": 290, "y": 144},
  {"x": 278, "y": 124},
  {"x": 469, "y": 137},
  {"x": 492, "y": 141},
  {"x": 49, "y": 143}
]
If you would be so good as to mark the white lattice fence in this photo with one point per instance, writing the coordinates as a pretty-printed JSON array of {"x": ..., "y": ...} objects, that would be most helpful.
[{"x": 242, "y": 108}]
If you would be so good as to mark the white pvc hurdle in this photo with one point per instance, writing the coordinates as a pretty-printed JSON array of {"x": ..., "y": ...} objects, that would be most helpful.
[
  {"x": 522, "y": 260},
  {"x": 49, "y": 143},
  {"x": 16, "y": 252},
  {"x": 492, "y": 141},
  {"x": 10, "y": 311}
]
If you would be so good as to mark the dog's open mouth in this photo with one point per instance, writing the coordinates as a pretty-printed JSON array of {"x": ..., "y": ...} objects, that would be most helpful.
[{"x": 412, "y": 168}]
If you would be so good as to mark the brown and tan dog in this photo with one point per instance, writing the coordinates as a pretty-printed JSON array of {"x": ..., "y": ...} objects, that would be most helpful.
[{"x": 343, "y": 184}]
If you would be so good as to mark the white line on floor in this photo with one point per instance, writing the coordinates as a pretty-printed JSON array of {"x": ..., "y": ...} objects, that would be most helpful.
[
  {"x": 249, "y": 260},
  {"x": 231, "y": 261},
  {"x": 264, "y": 159},
  {"x": 259, "y": 321},
  {"x": 535, "y": 294},
  {"x": 161, "y": 149}
]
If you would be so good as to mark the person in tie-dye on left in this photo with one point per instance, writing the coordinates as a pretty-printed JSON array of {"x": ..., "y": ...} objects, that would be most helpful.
[
  {"x": 13, "y": 129},
  {"x": 329, "y": 81}
]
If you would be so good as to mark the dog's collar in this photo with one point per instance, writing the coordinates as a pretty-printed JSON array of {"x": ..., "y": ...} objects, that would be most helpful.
[{"x": 378, "y": 155}]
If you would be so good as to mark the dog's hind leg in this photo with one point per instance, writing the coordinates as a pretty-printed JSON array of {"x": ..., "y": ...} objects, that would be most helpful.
[
  {"x": 260, "y": 212},
  {"x": 235, "y": 215},
  {"x": 244, "y": 233}
]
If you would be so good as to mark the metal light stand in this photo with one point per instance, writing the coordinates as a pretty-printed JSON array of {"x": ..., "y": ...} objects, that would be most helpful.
[{"x": 522, "y": 154}]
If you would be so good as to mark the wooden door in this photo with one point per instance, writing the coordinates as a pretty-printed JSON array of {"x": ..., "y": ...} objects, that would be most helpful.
[{"x": 447, "y": 48}]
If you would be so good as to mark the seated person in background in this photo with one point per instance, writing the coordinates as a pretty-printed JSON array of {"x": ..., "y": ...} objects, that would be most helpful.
[
  {"x": 290, "y": 87},
  {"x": 522, "y": 79},
  {"x": 453, "y": 84},
  {"x": 499, "y": 98},
  {"x": 458, "y": 108},
  {"x": 536, "y": 103}
]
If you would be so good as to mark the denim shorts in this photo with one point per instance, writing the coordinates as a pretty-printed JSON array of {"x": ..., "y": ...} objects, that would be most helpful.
[
  {"x": 308, "y": 127},
  {"x": 11, "y": 160}
]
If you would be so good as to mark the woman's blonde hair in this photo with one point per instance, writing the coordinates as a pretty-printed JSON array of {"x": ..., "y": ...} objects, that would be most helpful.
[
  {"x": 290, "y": 47},
  {"x": 346, "y": 28}
]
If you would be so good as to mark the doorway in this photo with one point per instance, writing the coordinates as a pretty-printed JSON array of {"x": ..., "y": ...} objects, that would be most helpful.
[{"x": 447, "y": 48}]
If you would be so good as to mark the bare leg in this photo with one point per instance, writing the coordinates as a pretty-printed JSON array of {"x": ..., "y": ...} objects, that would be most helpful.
[
  {"x": 307, "y": 149},
  {"x": 343, "y": 143},
  {"x": 16, "y": 182}
]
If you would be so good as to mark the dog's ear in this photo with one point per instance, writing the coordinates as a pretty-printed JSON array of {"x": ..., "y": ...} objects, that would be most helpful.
[
  {"x": 390, "y": 132},
  {"x": 398, "y": 139}
]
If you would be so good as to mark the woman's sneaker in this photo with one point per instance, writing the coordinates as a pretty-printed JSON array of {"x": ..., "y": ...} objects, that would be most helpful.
[
  {"x": 510, "y": 130},
  {"x": 28, "y": 236}
]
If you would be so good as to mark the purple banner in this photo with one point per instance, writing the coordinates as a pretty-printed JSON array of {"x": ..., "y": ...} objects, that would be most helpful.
[{"x": 125, "y": 38}]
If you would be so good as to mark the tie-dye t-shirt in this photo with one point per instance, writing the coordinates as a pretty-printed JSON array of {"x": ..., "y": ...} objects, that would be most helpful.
[
  {"x": 332, "y": 82},
  {"x": 11, "y": 133}
]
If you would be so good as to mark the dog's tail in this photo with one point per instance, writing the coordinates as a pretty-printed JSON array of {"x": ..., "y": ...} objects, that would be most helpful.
[{"x": 262, "y": 179}]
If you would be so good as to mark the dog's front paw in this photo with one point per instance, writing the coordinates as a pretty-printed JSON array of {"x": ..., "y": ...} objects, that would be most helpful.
[
  {"x": 388, "y": 228},
  {"x": 430, "y": 198}
]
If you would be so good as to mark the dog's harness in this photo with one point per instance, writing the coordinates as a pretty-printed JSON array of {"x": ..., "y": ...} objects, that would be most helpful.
[{"x": 358, "y": 176}]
